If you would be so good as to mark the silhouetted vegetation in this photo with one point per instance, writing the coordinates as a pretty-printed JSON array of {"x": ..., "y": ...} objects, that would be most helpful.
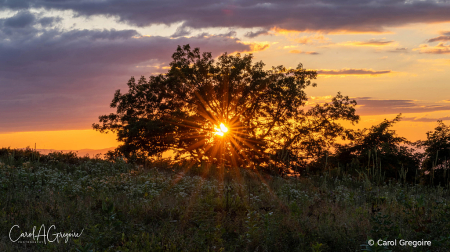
[
  {"x": 380, "y": 147},
  {"x": 270, "y": 127},
  {"x": 202, "y": 207},
  {"x": 263, "y": 109},
  {"x": 437, "y": 153}
]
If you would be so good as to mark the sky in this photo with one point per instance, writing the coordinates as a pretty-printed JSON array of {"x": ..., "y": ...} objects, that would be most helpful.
[{"x": 61, "y": 61}]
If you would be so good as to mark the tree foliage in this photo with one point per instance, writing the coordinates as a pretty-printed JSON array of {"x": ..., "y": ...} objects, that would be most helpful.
[
  {"x": 265, "y": 111},
  {"x": 378, "y": 144},
  {"x": 436, "y": 147}
]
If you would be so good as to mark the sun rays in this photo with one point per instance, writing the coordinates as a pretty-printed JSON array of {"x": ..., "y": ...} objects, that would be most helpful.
[{"x": 218, "y": 132}]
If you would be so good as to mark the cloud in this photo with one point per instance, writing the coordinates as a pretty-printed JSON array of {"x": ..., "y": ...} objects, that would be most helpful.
[
  {"x": 257, "y": 33},
  {"x": 423, "y": 119},
  {"x": 440, "y": 48},
  {"x": 399, "y": 50},
  {"x": 256, "y": 46},
  {"x": 181, "y": 31},
  {"x": 323, "y": 15},
  {"x": 301, "y": 52},
  {"x": 440, "y": 38},
  {"x": 372, "y": 42},
  {"x": 350, "y": 71},
  {"x": 370, "y": 106},
  {"x": 445, "y": 36},
  {"x": 49, "y": 21},
  {"x": 230, "y": 34},
  {"x": 312, "y": 40},
  {"x": 20, "y": 20},
  {"x": 53, "y": 79},
  {"x": 22, "y": 25}
]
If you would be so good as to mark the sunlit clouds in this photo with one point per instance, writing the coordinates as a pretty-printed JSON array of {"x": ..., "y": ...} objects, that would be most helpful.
[
  {"x": 371, "y": 42},
  {"x": 301, "y": 52},
  {"x": 60, "y": 62},
  {"x": 352, "y": 72},
  {"x": 445, "y": 36},
  {"x": 441, "y": 48}
]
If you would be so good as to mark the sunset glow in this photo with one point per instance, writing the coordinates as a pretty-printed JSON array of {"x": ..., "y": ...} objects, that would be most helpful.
[
  {"x": 376, "y": 53},
  {"x": 238, "y": 125},
  {"x": 221, "y": 130}
]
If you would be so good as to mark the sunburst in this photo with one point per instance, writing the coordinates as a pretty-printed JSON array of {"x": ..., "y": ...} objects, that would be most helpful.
[{"x": 221, "y": 130}]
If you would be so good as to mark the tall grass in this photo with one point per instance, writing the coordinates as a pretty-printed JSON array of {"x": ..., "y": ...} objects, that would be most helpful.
[{"x": 202, "y": 207}]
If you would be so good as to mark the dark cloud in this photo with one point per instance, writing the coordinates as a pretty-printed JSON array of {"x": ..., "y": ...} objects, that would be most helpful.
[
  {"x": 257, "y": 33},
  {"x": 373, "y": 42},
  {"x": 371, "y": 106},
  {"x": 51, "y": 79},
  {"x": 353, "y": 72},
  {"x": 399, "y": 50},
  {"x": 422, "y": 119},
  {"x": 22, "y": 25},
  {"x": 20, "y": 20},
  {"x": 49, "y": 21},
  {"x": 228, "y": 34},
  {"x": 181, "y": 31},
  {"x": 325, "y": 15},
  {"x": 440, "y": 38}
]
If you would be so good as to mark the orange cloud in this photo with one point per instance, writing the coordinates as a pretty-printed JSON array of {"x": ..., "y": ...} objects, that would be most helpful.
[
  {"x": 301, "y": 52},
  {"x": 282, "y": 31},
  {"x": 371, "y": 42},
  {"x": 315, "y": 39},
  {"x": 441, "y": 48},
  {"x": 352, "y": 71},
  {"x": 293, "y": 36},
  {"x": 255, "y": 46}
]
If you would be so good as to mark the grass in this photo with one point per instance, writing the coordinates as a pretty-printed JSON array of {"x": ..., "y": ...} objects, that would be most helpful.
[{"x": 164, "y": 207}]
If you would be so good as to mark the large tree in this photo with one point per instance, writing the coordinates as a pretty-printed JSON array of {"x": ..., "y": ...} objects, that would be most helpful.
[{"x": 230, "y": 111}]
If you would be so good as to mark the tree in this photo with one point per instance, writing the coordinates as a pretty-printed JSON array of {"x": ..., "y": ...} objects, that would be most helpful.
[
  {"x": 230, "y": 111},
  {"x": 381, "y": 144},
  {"x": 437, "y": 147}
]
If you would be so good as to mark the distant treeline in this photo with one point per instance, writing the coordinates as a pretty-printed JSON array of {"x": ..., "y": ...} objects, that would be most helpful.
[{"x": 19, "y": 156}]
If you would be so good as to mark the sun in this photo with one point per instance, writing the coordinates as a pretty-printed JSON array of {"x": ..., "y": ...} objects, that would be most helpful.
[{"x": 221, "y": 130}]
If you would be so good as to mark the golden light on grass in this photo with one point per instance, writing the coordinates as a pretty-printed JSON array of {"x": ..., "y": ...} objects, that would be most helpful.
[{"x": 221, "y": 130}]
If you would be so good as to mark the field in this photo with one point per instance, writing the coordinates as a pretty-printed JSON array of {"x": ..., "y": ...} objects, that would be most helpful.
[{"x": 165, "y": 207}]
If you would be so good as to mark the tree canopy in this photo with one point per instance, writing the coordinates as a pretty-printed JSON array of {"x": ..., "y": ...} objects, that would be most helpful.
[
  {"x": 437, "y": 147},
  {"x": 378, "y": 144},
  {"x": 231, "y": 111}
]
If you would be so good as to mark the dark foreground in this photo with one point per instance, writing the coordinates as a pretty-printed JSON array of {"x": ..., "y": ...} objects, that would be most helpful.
[{"x": 114, "y": 206}]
